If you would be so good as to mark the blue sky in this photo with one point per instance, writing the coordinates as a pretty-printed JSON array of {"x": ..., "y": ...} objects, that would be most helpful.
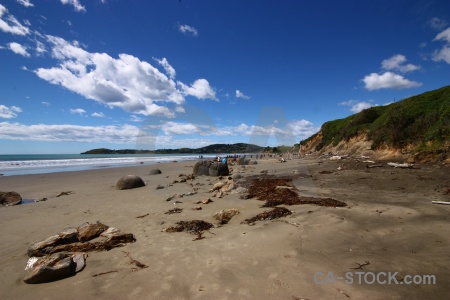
[{"x": 79, "y": 74}]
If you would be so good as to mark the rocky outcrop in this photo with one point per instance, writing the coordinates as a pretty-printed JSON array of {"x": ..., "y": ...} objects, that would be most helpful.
[
  {"x": 208, "y": 168},
  {"x": 10, "y": 198},
  {"x": 129, "y": 182}
]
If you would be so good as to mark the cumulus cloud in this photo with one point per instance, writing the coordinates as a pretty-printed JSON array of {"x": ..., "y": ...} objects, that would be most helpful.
[
  {"x": 388, "y": 80},
  {"x": 239, "y": 94},
  {"x": 199, "y": 89},
  {"x": 18, "y": 49},
  {"x": 69, "y": 133},
  {"x": 9, "y": 23},
  {"x": 167, "y": 67},
  {"x": 124, "y": 82},
  {"x": 75, "y": 3},
  {"x": 79, "y": 111},
  {"x": 98, "y": 114},
  {"x": 186, "y": 29},
  {"x": 357, "y": 106},
  {"x": 9, "y": 112},
  {"x": 396, "y": 63},
  {"x": 443, "y": 54},
  {"x": 25, "y": 3}
]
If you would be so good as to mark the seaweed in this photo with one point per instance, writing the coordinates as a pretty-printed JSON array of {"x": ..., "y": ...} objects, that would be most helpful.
[
  {"x": 193, "y": 227},
  {"x": 275, "y": 213},
  {"x": 330, "y": 202},
  {"x": 280, "y": 191},
  {"x": 175, "y": 210},
  {"x": 113, "y": 242}
]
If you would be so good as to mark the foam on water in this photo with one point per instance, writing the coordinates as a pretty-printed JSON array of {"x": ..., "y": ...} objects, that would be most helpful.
[{"x": 28, "y": 165}]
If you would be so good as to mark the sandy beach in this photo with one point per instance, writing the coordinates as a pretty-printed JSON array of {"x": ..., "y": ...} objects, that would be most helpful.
[{"x": 388, "y": 225}]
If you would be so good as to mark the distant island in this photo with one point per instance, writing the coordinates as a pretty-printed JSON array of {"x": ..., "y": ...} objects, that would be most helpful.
[{"x": 211, "y": 149}]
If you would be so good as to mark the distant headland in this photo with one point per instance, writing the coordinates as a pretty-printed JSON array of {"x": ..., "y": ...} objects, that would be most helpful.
[{"x": 211, "y": 149}]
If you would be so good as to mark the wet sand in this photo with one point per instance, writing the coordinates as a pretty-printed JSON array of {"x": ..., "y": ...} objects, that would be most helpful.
[{"x": 389, "y": 222}]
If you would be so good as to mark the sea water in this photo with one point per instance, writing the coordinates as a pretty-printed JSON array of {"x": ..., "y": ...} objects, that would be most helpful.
[{"x": 49, "y": 163}]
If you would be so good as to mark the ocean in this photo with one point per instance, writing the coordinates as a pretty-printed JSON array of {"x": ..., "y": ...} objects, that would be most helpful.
[{"x": 48, "y": 163}]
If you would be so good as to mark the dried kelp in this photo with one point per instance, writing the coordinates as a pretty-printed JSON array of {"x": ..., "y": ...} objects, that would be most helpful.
[
  {"x": 194, "y": 226},
  {"x": 280, "y": 191},
  {"x": 275, "y": 213},
  {"x": 175, "y": 210},
  {"x": 106, "y": 245},
  {"x": 330, "y": 202}
]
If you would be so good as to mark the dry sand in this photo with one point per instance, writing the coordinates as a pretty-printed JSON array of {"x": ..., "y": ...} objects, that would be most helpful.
[{"x": 389, "y": 222}]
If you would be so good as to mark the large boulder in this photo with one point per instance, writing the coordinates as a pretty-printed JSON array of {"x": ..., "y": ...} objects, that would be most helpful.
[
  {"x": 10, "y": 198},
  {"x": 219, "y": 169},
  {"x": 211, "y": 168},
  {"x": 202, "y": 168},
  {"x": 243, "y": 161},
  {"x": 155, "y": 171},
  {"x": 129, "y": 182}
]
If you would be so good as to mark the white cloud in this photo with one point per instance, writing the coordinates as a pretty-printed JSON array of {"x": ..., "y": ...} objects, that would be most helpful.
[
  {"x": 98, "y": 115},
  {"x": 437, "y": 23},
  {"x": 357, "y": 106},
  {"x": 126, "y": 82},
  {"x": 135, "y": 118},
  {"x": 199, "y": 89},
  {"x": 443, "y": 54},
  {"x": 40, "y": 48},
  {"x": 45, "y": 103},
  {"x": 167, "y": 67},
  {"x": 186, "y": 29},
  {"x": 173, "y": 128},
  {"x": 25, "y": 3},
  {"x": 9, "y": 112},
  {"x": 69, "y": 133},
  {"x": 396, "y": 63},
  {"x": 9, "y": 24},
  {"x": 388, "y": 80},
  {"x": 79, "y": 111},
  {"x": 239, "y": 94},
  {"x": 75, "y": 3},
  {"x": 18, "y": 49}
]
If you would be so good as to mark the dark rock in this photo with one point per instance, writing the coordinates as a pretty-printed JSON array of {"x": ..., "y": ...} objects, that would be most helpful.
[
  {"x": 155, "y": 172},
  {"x": 41, "y": 248},
  {"x": 201, "y": 168},
  {"x": 243, "y": 161},
  {"x": 10, "y": 198},
  {"x": 129, "y": 182},
  {"x": 88, "y": 231},
  {"x": 219, "y": 169},
  {"x": 50, "y": 268}
]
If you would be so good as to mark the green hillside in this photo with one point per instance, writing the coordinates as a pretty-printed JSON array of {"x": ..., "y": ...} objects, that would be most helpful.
[{"x": 422, "y": 120}]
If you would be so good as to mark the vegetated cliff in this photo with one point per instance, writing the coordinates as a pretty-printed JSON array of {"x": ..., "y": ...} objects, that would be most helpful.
[{"x": 416, "y": 129}]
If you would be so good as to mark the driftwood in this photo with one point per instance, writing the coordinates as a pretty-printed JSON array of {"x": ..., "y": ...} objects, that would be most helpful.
[
  {"x": 396, "y": 165},
  {"x": 441, "y": 202},
  {"x": 374, "y": 166}
]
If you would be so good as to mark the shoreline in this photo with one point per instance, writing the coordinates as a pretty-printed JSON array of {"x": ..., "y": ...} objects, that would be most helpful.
[{"x": 389, "y": 221}]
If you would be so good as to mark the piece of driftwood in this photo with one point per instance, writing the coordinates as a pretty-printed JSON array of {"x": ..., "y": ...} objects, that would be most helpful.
[
  {"x": 143, "y": 216},
  {"x": 397, "y": 165},
  {"x": 374, "y": 166},
  {"x": 441, "y": 202}
]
